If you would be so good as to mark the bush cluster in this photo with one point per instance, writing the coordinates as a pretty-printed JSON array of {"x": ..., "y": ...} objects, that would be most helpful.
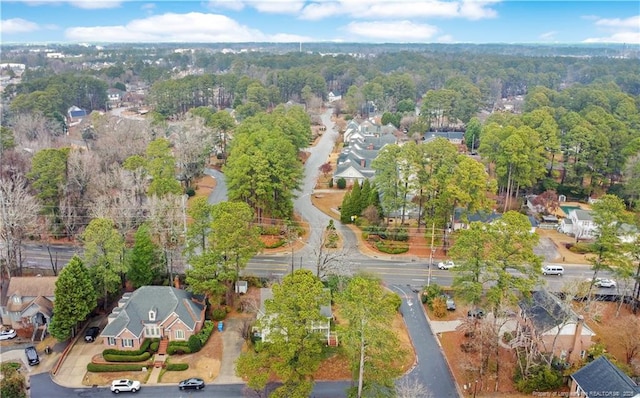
[
  {"x": 13, "y": 383},
  {"x": 123, "y": 367},
  {"x": 127, "y": 358},
  {"x": 177, "y": 349},
  {"x": 218, "y": 314},
  {"x": 541, "y": 378},
  {"x": 275, "y": 244},
  {"x": 391, "y": 247},
  {"x": 177, "y": 367}
]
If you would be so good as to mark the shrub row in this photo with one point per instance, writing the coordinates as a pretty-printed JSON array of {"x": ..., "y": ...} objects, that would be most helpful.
[
  {"x": 391, "y": 247},
  {"x": 146, "y": 345},
  {"x": 177, "y": 366},
  {"x": 195, "y": 342},
  {"x": 126, "y": 358},
  {"x": 123, "y": 367},
  {"x": 178, "y": 349},
  {"x": 276, "y": 244}
]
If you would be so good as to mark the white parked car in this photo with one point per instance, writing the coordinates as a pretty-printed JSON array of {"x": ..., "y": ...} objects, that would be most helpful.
[
  {"x": 602, "y": 282},
  {"x": 446, "y": 264},
  {"x": 125, "y": 385},
  {"x": 7, "y": 334}
]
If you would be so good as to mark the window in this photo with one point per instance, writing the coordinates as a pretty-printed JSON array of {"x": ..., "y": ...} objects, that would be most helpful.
[
  {"x": 127, "y": 342},
  {"x": 583, "y": 353},
  {"x": 152, "y": 331},
  {"x": 17, "y": 299},
  {"x": 111, "y": 340},
  {"x": 179, "y": 334},
  {"x": 152, "y": 315}
]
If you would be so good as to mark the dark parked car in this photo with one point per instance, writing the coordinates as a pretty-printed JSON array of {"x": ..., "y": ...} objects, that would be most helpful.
[
  {"x": 32, "y": 355},
  {"x": 91, "y": 334},
  {"x": 191, "y": 384},
  {"x": 476, "y": 313}
]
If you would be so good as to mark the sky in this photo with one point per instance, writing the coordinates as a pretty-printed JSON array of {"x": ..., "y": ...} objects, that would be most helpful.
[{"x": 365, "y": 21}]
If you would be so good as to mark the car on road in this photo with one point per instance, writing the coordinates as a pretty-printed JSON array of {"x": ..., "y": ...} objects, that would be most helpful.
[
  {"x": 602, "y": 282},
  {"x": 552, "y": 270},
  {"x": 193, "y": 383},
  {"x": 32, "y": 355},
  {"x": 446, "y": 264},
  {"x": 91, "y": 334},
  {"x": 126, "y": 385},
  {"x": 476, "y": 313},
  {"x": 7, "y": 334}
]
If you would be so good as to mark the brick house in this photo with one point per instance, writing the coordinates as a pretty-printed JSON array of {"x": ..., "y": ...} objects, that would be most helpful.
[
  {"x": 153, "y": 312},
  {"x": 553, "y": 326}
]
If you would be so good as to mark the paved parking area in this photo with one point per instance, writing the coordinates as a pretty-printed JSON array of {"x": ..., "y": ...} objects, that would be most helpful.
[{"x": 73, "y": 369}]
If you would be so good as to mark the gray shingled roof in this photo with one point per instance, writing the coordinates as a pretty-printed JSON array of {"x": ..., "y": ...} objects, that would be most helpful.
[
  {"x": 164, "y": 299},
  {"x": 584, "y": 215},
  {"x": 601, "y": 378},
  {"x": 546, "y": 311}
]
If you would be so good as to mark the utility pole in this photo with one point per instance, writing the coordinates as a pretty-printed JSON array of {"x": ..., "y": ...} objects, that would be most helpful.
[{"x": 433, "y": 232}]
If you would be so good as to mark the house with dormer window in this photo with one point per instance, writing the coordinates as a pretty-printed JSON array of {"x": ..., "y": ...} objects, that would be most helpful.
[
  {"x": 28, "y": 304},
  {"x": 153, "y": 312}
]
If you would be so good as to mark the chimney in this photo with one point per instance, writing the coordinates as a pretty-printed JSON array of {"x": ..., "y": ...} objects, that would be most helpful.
[
  {"x": 362, "y": 162},
  {"x": 574, "y": 354}
]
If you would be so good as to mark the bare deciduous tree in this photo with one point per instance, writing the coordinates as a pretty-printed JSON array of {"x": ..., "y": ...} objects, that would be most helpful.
[
  {"x": 118, "y": 138},
  {"x": 34, "y": 131},
  {"x": 18, "y": 215},
  {"x": 412, "y": 388},
  {"x": 193, "y": 144},
  {"x": 167, "y": 216},
  {"x": 626, "y": 330}
]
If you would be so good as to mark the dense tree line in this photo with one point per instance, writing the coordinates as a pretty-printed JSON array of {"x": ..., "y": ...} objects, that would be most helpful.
[{"x": 263, "y": 168}]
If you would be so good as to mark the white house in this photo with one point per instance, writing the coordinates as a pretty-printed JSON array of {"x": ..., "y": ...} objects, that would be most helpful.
[
  {"x": 579, "y": 223},
  {"x": 323, "y": 327}
]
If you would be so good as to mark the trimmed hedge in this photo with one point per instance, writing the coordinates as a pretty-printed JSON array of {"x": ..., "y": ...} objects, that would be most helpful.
[
  {"x": 178, "y": 350},
  {"x": 127, "y": 358},
  {"x": 178, "y": 367},
  {"x": 143, "y": 348},
  {"x": 123, "y": 367},
  {"x": 154, "y": 346}
]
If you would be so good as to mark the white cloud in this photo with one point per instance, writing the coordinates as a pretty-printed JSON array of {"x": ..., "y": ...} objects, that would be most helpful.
[
  {"x": 226, "y": 4},
  {"x": 95, "y": 4},
  {"x": 379, "y": 9},
  {"x": 392, "y": 31},
  {"x": 548, "y": 35},
  {"x": 171, "y": 27},
  {"x": 85, "y": 4},
  {"x": 626, "y": 30},
  {"x": 17, "y": 25},
  {"x": 148, "y": 6},
  {"x": 617, "y": 23},
  {"x": 266, "y": 6}
]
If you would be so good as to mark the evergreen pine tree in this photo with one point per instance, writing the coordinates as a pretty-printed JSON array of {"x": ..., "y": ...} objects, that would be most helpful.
[
  {"x": 365, "y": 194},
  {"x": 75, "y": 299},
  {"x": 346, "y": 209},
  {"x": 355, "y": 199},
  {"x": 143, "y": 259}
]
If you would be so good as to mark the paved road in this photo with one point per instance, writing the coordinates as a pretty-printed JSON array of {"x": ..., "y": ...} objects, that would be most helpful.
[
  {"x": 432, "y": 370},
  {"x": 219, "y": 194},
  {"x": 302, "y": 204},
  {"x": 43, "y": 387}
]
